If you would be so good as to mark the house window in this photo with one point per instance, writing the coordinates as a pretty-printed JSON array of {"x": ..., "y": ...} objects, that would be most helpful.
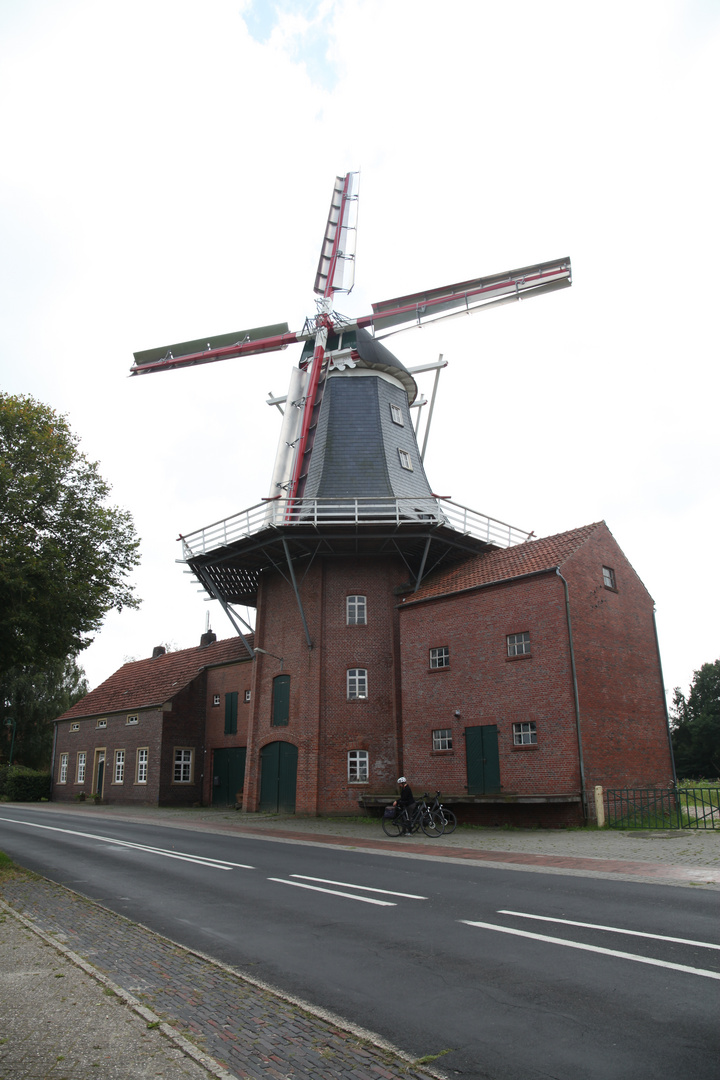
[
  {"x": 119, "y": 767},
  {"x": 281, "y": 701},
  {"x": 81, "y": 759},
  {"x": 62, "y": 779},
  {"x": 440, "y": 657},
  {"x": 356, "y": 607},
  {"x": 525, "y": 734},
  {"x": 442, "y": 739},
  {"x": 216, "y": 700},
  {"x": 101, "y": 723},
  {"x": 405, "y": 460},
  {"x": 132, "y": 720},
  {"x": 396, "y": 415},
  {"x": 182, "y": 771},
  {"x": 74, "y": 727},
  {"x": 358, "y": 766},
  {"x": 142, "y": 766},
  {"x": 247, "y": 696},
  {"x": 608, "y": 578},
  {"x": 231, "y": 703},
  {"x": 518, "y": 644},
  {"x": 357, "y": 683}
]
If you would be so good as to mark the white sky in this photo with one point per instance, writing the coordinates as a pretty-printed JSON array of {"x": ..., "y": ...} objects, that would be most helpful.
[{"x": 166, "y": 172}]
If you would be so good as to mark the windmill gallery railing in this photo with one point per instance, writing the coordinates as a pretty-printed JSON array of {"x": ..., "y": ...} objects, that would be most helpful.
[
  {"x": 673, "y": 808},
  {"x": 344, "y": 512}
]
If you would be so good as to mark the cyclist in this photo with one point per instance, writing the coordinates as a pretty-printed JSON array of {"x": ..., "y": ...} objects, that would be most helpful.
[{"x": 405, "y": 802}]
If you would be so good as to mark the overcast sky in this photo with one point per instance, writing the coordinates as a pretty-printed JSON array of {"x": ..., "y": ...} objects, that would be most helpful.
[{"x": 166, "y": 173}]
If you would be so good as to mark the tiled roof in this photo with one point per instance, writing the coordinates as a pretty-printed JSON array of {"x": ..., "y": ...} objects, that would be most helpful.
[
  {"x": 504, "y": 564},
  {"x": 144, "y": 683}
]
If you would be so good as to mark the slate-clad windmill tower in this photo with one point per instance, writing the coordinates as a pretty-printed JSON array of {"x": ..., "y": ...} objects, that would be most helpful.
[{"x": 350, "y": 522}]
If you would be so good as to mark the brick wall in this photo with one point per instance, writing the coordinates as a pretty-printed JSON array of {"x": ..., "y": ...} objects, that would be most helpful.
[
  {"x": 222, "y": 680},
  {"x": 183, "y": 728},
  {"x": 622, "y": 710},
  {"x": 483, "y": 686}
]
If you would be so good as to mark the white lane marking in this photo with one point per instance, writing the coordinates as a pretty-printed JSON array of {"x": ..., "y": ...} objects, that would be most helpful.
[
  {"x": 352, "y": 885},
  {"x": 201, "y": 860},
  {"x": 612, "y": 929},
  {"x": 335, "y": 892},
  {"x": 594, "y": 949}
]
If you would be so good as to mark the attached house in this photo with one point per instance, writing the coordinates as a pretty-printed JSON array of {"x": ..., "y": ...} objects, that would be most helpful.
[{"x": 140, "y": 737}]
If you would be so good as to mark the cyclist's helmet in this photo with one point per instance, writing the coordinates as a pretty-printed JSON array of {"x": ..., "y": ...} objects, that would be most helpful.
[{"x": 402, "y": 780}]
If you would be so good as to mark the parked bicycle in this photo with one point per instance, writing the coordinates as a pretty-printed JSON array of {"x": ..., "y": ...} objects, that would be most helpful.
[
  {"x": 422, "y": 817},
  {"x": 447, "y": 817}
]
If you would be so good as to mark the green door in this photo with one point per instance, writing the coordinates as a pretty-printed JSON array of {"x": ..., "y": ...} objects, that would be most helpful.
[
  {"x": 278, "y": 775},
  {"x": 483, "y": 759},
  {"x": 228, "y": 775}
]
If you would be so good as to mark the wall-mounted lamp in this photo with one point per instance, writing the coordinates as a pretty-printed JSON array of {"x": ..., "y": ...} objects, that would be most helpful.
[
  {"x": 457, "y": 713},
  {"x": 266, "y": 653}
]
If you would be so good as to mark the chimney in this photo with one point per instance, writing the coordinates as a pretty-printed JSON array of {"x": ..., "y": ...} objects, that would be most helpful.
[
  {"x": 207, "y": 639},
  {"x": 159, "y": 650}
]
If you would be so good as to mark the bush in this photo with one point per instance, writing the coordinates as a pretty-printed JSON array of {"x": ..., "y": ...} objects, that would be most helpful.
[{"x": 26, "y": 785}]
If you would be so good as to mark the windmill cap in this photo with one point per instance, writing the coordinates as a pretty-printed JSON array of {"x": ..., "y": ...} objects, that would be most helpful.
[{"x": 402, "y": 780}]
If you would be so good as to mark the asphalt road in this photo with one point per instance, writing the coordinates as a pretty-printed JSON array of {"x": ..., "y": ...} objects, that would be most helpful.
[{"x": 530, "y": 975}]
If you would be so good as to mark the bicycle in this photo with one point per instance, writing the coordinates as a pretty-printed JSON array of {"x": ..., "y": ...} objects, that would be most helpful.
[
  {"x": 422, "y": 818},
  {"x": 447, "y": 817}
]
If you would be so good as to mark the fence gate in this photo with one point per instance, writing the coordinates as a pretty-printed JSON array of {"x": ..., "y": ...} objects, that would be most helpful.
[{"x": 676, "y": 808}]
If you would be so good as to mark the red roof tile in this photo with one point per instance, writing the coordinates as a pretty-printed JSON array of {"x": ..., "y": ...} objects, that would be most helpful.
[
  {"x": 504, "y": 564},
  {"x": 144, "y": 683}
]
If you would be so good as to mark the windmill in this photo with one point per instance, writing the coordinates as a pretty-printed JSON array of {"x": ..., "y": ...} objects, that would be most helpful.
[{"x": 348, "y": 475}]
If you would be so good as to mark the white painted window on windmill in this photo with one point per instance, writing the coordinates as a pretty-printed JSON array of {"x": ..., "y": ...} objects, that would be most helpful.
[
  {"x": 440, "y": 658},
  {"x": 405, "y": 460},
  {"x": 396, "y": 415},
  {"x": 525, "y": 734},
  {"x": 357, "y": 683},
  {"x": 356, "y": 608},
  {"x": 442, "y": 739},
  {"x": 518, "y": 644},
  {"x": 358, "y": 766}
]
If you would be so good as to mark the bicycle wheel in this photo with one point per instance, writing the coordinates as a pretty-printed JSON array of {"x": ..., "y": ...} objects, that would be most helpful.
[
  {"x": 392, "y": 826},
  {"x": 432, "y": 825},
  {"x": 449, "y": 820}
]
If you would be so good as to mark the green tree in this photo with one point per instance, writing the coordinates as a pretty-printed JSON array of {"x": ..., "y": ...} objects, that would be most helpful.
[
  {"x": 65, "y": 554},
  {"x": 33, "y": 697},
  {"x": 696, "y": 725}
]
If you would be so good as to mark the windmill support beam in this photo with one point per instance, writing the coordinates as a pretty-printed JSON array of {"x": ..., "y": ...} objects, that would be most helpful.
[
  {"x": 297, "y": 593},
  {"x": 232, "y": 615}
]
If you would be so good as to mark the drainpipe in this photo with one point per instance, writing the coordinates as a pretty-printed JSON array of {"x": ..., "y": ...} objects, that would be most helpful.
[
  {"x": 575, "y": 692},
  {"x": 662, "y": 690}
]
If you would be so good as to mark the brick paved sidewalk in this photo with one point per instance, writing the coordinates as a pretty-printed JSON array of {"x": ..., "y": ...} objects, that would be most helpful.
[{"x": 250, "y": 1031}]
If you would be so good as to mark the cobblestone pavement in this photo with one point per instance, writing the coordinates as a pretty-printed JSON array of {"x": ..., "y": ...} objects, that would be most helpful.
[{"x": 228, "y": 1025}]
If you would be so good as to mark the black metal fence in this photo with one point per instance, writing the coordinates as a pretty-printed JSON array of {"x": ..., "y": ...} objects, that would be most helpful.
[{"x": 674, "y": 808}]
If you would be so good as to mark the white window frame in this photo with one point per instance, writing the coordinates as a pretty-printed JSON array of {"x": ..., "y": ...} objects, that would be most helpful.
[
  {"x": 248, "y": 695},
  {"x": 81, "y": 766},
  {"x": 183, "y": 761},
  {"x": 216, "y": 700},
  {"x": 525, "y": 733},
  {"x": 405, "y": 460},
  {"x": 133, "y": 719},
  {"x": 442, "y": 739},
  {"x": 74, "y": 727},
  {"x": 396, "y": 415},
  {"x": 440, "y": 657},
  {"x": 609, "y": 577},
  {"x": 141, "y": 768},
  {"x": 62, "y": 778},
  {"x": 357, "y": 684},
  {"x": 101, "y": 724},
  {"x": 356, "y": 610},
  {"x": 518, "y": 644},
  {"x": 358, "y": 766},
  {"x": 119, "y": 767}
]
